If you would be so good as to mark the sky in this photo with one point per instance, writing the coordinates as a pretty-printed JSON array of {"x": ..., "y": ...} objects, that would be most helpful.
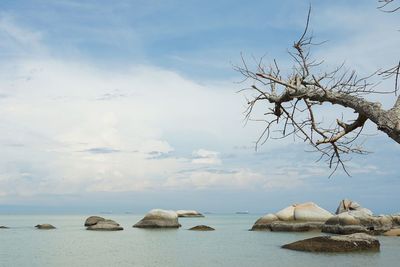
[{"x": 125, "y": 106}]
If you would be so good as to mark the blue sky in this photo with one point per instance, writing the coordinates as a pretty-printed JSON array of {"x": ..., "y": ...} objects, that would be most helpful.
[{"x": 132, "y": 105}]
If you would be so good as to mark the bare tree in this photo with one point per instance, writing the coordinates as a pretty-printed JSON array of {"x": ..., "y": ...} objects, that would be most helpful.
[{"x": 293, "y": 102}]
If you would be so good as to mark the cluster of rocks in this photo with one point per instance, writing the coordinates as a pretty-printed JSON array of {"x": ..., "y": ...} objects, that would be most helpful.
[
  {"x": 352, "y": 222},
  {"x": 97, "y": 223},
  {"x": 295, "y": 218},
  {"x": 158, "y": 218},
  {"x": 155, "y": 218},
  {"x": 352, "y": 218}
]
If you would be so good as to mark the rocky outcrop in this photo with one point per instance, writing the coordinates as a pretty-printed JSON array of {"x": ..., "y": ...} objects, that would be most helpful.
[
  {"x": 347, "y": 205},
  {"x": 344, "y": 243},
  {"x": 3, "y": 227},
  {"x": 105, "y": 225},
  {"x": 45, "y": 226},
  {"x": 189, "y": 213},
  {"x": 158, "y": 218},
  {"x": 352, "y": 218},
  {"x": 295, "y": 218},
  {"x": 202, "y": 228},
  {"x": 92, "y": 220}
]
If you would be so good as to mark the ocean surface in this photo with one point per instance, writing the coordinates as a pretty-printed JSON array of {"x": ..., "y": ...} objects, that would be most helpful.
[{"x": 231, "y": 244}]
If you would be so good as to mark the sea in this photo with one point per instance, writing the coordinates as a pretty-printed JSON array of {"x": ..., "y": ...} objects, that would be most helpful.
[{"x": 231, "y": 244}]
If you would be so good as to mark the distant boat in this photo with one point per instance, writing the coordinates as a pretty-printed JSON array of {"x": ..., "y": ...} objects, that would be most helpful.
[{"x": 242, "y": 212}]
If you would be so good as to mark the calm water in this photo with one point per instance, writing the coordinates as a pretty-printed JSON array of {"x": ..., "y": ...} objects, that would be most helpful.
[{"x": 230, "y": 245}]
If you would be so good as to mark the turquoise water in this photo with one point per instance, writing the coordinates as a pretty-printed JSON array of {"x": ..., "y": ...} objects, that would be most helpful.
[{"x": 230, "y": 245}]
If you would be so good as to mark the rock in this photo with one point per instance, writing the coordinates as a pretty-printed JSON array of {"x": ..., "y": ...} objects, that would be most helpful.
[
  {"x": 294, "y": 226},
  {"x": 287, "y": 214},
  {"x": 264, "y": 222},
  {"x": 202, "y": 228},
  {"x": 395, "y": 220},
  {"x": 357, "y": 222},
  {"x": 105, "y": 225},
  {"x": 392, "y": 232},
  {"x": 344, "y": 243},
  {"x": 92, "y": 220},
  {"x": 189, "y": 213},
  {"x": 311, "y": 212},
  {"x": 45, "y": 226},
  {"x": 158, "y": 218},
  {"x": 347, "y": 205},
  {"x": 295, "y": 218},
  {"x": 3, "y": 227}
]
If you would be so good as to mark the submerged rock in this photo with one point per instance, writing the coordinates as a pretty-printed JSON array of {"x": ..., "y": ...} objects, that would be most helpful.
[
  {"x": 295, "y": 218},
  {"x": 92, "y": 220},
  {"x": 105, "y": 225},
  {"x": 158, "y": 218},
  {"x": 202, "y": 228},
  {"x": 45, "y": 226},
  {"x": 189, "y": 213},
  {"x": 344, "y": 243}
]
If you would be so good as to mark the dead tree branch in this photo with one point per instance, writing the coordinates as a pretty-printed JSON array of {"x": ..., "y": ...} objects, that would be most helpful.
[{"x": 293, "y": 103}]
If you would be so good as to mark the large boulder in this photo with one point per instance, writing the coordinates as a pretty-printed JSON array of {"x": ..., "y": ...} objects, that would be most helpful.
[
  {"x": 158, "y": 218},
  {"x": 45, "y": 226},
  {"x": 298, "y": 218},
  {"x": 92, "y": 220},
  {"x": 347, "y": 205},
  {"x": 202, "y": 228},
  {"x": 310, "y": 212},
  {"x": 344, "y": 243},
  {"x": 105, "y": 225},
  {"x": 189, "y": 213}
]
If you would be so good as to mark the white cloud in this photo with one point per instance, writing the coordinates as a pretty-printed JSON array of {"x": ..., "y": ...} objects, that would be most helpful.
[
  {"x": 238, "y": 179},
  {"x": 73, "y": 137},
  {"x": 203, "y": 156}
]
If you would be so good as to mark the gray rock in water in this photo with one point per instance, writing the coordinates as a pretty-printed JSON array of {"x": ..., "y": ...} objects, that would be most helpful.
[
  {"x": 357, "y": 222},
  {"x": 295, "y": 218},
  {"x": 158, "y": 218},
  {"x": 202, "y": 228},
  {"x": 293, "y": 226},
  {"x": 105, "y": 225},
  {"x": 45, "y": 226},
  {"x": 344, "y": 243},
  {"x": 3, "y": 227},
  {"x": 189, "y": 213},
  {"x": 92, "y": 220}
]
